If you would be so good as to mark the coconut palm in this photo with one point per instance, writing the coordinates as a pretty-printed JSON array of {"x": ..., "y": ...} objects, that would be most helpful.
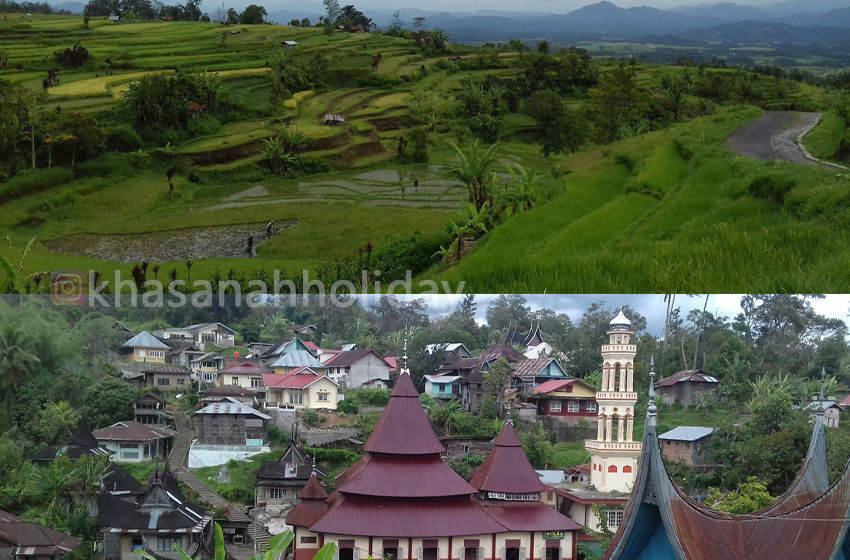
[
  {"x": 439, "y": 37},
  {"x": 16, "y": 360},
  {"x": 473, "y": 170}
]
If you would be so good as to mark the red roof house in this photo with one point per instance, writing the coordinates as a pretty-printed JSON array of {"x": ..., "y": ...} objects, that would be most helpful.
[
  {"x": 402, "y": 499},
  {"x": 353, "y": 369}
]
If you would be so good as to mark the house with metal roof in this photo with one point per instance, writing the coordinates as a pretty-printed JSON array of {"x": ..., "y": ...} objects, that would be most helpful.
[
  {"x": 144, "y": 347},
  {"x": 472, "y": 371},
  {"x": 682, "y": 444},
  {"x": 229, "y": 422},
  {"x": 132, "y": 442},
  {"x": 280, "y": 483},
  {"x": 296, "y": 359},
  {"x": 353, "y": 369},
  {"x": 200, "y": 335},
  {"x": 248, "y": 397},
  {"x": 565, "y": 398},
  {"x": 282, "y": 346},
  {"x": 443, "y": 387},
  {"x": 72, "y": 444},
  {"x": 402, "y": 501},
  {"x": 248, "y": 375},
  {"x": 683, "y": 386},
  {"x": 155, "y": 522},
  {"x": 168, "y": 377},
  {"x": 303, "y": 388},
  {"x": 26, "y": 540},
  {"x": 452, "y": 349},
  {"x": 150, "y": 410},
  {"x": 532, "y": 372}
]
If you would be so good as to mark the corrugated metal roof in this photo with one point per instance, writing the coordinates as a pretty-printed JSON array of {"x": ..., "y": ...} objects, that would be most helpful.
[
  {"x": 445, "y": 379},
  {"x": 550, "y": 477},
  {"x": 557, "y": 384},
  {"x": 27, "y": 534},
  {"x": 349, "y": 357},
  {"x": 403, "y": 477},
  {"x": 694, "y": 375},
  {"x": 687, "y": 433},
  {"x": 297, "y": 358},
  {"x": 229, "y": 405},
  {"x": 245, "y": 368},
  {"x": 129, "y": 430},
  {"x": 403, "y": 428},
  {"x": 507, "y": 468},
  {"x": 144, "y": 340}
]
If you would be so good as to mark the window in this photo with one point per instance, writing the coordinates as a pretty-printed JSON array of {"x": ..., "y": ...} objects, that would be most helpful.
[
  {"x": 591, "y": 406},
  {"x": 296, "y": 398},
  {"x": 156, "y": 354},
  {"x": 555, "y": 406},
  {"x": 323, "y": 396},
  {"x": 137, "y": 543},
  {"x": 572, "y": 406},
  {"x": 615, "y": 517},
  {"x": 129, "y": 451},
  {"x": 181, "y": 381},
  {"x": 166, "y": 544},
  {"x": 612, "y": 468},
  {"x": 275, "y": 493},
  {"x": 553, "y": 553},
  {"x": 308, "y": 540},
  {"x": 466, "y": 448},
  {"x": 234, "y": 381},
  {"x": 256, "y": 382},
  {"x": 163, "y": 381},
  {"x": 442, "y": 389}
]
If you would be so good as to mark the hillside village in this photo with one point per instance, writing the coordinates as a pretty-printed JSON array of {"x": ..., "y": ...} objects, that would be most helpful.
[{"x": 518, "y": 435}]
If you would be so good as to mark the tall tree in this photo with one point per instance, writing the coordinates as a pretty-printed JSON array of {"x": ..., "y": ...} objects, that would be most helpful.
[
  {"x": 497, "y": 380},
  {"x": 507, "y": 310},
  {"x": 332, "y": 9}
]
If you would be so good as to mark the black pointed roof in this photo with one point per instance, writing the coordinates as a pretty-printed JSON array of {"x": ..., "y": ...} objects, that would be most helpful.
[
  {"x": 281, "y": 469},
  {"x": 72, "y": 444},
  {"x": 532, "y": 337}
]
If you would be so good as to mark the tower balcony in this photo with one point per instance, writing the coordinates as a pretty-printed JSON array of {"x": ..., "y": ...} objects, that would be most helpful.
[
  {"x": 608, "y": 446},
  {"x": 620, "y": 396},
  {"x": 628, "y": 348}
]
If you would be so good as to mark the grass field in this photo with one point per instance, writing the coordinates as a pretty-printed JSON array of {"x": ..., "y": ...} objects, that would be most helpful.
[{"x": 663, "y": 210}]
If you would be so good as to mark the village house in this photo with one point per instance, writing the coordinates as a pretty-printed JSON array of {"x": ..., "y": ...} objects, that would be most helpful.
[
  {"x": 71, "y": 444},
  {"x": 301, "y": 329},
  {"x": 452, "y": 350},
  {"x": 257, "y": 348},
  {"x": 443, "y": 387},
  {"x": 472, "y": 371},
  {"x": 200, "y": 335},
  {"x": 460, "y": 447},
  {"x": 246, "y": 375},
  {"x": 296, "y": 359},
  {"x": 144, "y": 347},
  {"x": 24, "y": 540},
  {"x": 682, "y": 444},
  {"x": 683, "y": 386},
  {"x": 347, "y": 347},
  {"x": 150, "y": 410},
  {"x": 401, "y": 501},
  {"x": 353, "y": 369},
  {"x": 158, "y": 520},
  {"x": 570, "y": 398},
  {"x": 132, "y": 442},
  {"x": 195, "y": 110},
  {"x": 301, "y": 389},
  {"x": 831, "y": 410},
  {"x": 280, "y": 347},
  {"x": 229, "y": 422},
  {"x": 532, "y": 372},
  {"x": 279, "y": 483},
  {"x": 168, "y": 377},
  {"x": 249, "y": 397},
  {"x": 183, "y": 355}
]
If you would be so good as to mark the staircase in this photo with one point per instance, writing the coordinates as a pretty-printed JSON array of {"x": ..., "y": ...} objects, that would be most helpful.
[{"x": 178, "y": 460}]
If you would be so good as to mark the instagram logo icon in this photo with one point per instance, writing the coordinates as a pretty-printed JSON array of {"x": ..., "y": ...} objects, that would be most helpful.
[{"x": 67, "y": 287}]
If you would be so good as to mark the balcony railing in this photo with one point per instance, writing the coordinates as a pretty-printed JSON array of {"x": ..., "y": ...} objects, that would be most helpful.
[
  {"x": 447, "y": 396},
  {"x": 619, "y": 348},
  {"x": 616, "y": 396},
  {"x": 612, "y": 445}
]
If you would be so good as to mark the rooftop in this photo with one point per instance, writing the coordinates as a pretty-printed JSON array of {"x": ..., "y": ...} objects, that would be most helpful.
[
  {"x": 130, "y": 430},
  {"x": 35, "y": 539},
  {"x": 145, "y": 340},
  {"x": 695, "y": 375},
  {"x": 687, "y": 433},
  {"x": 229, "y": 405},
  {"x": 297, "y": 358}
]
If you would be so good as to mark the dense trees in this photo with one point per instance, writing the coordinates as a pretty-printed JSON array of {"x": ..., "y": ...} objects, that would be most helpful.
[
  {"x": 253, "y": 15},
  {"x": 162, "y": 99}
]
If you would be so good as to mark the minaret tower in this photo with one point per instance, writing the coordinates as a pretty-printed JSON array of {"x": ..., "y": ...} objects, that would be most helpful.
[{"x": 614, "y": 453}]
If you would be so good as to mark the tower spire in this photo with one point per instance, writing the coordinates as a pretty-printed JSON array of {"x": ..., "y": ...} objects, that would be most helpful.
[
  {"x": 651, "y": 409},
  {"x": 821, "y": 397},
  {"x": 404, "y": 364}
]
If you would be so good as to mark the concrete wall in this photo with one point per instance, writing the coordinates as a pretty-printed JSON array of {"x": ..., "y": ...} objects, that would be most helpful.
[
  {"x": 366, "y": 368},
  {"x": 570, "y": 428},
  {"x": 228, "y": 429},
  {"x": 283, "y": 418},
  {"x": 687, "y": 452},
  {"x": 684, "y": 393}
]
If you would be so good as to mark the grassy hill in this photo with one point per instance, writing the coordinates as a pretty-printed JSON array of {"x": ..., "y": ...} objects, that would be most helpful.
[{"x": 668, "y": 208}]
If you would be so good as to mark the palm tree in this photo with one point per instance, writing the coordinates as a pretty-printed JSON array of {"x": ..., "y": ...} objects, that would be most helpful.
[
  {"x": 16, "y": 361},
  {"x": 440, "y": 38},
  {"x": 473, "y": 170},
  {"x": 446, "y": 416},
  {"x": 57, "y": 418}
]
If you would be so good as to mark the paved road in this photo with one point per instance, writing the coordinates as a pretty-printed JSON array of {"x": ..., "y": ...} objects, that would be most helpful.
[{"x": 775, "y": 135}]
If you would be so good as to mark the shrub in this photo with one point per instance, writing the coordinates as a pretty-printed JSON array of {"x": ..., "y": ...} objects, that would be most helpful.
[
  {"x": 769, "y": 187},
  {"x": 685, "y": 151},
  {"x": 368, "y": 397},
  {"x": 122, "y": 139},
  {"x": 625, "y": 159},
  {"x": 843, "y": 151},
  {"x": 346, "y": 407},
  {"x": 310, "y": 417},
  {"x": 278, "y": 436},
  {"x": 323, "y": 419},
  {"x": 204, "y": 125},
  {"x": 414, "y": 253},
  {"x": 31, "y": 181}
]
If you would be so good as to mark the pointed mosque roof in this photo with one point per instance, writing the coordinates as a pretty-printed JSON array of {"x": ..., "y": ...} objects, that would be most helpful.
[
  {"x": 311, "y": 507},
  {"x": 507, "y": 468},
  {"x": 403, "y": 428},
  {"x": 662, "y": 522}
]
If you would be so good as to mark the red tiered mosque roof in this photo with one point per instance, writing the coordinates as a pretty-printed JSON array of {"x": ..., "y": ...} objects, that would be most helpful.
[
  {"x": 312, "y": 505},
  {"x": 402, "y": 488},
  {"x": 507, "y": 468}
]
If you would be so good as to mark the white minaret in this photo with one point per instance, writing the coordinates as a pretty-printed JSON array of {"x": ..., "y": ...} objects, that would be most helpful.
[{"x": 614, "y": 454}]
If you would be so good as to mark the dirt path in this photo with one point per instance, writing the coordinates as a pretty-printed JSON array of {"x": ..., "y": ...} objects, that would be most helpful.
[{"x": 777, "y": 135}]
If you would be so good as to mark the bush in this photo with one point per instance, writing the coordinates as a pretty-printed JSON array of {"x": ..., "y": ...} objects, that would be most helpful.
[
  {"x": 368, "y": 397},
  {"x": 414, "y": 253},
  {"x": 772, "y": 188},
  {"x": 122, "y": 139},
  {"x": 204, "y": 125},
  {"x": 685, "y": 151},
  {"x": 310, "y": 417},
  {"x": 278, "y": 436},
  {"x": 31, "y": 181},
  {"x": 625, "y": 159},
  {"x": 843, "y": 151},
  {"x": 346, "y": 407}
]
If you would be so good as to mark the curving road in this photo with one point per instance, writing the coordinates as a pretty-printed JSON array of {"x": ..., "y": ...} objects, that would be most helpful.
[{"x": 776, "y": 135}]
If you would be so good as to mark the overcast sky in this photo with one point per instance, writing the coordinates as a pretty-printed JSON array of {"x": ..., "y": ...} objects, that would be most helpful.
[{"x": 650, "y": 306}]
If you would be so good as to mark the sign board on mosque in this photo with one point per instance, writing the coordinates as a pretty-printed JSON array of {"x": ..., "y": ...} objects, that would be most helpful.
[{"x": 553, "y": 535}]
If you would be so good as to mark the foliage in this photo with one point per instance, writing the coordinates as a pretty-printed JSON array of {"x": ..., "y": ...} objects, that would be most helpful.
[
  {"x": 497, "y": 380},
  {"x": 253, "y": 15},
  {"x": 749, "y": 497}
]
